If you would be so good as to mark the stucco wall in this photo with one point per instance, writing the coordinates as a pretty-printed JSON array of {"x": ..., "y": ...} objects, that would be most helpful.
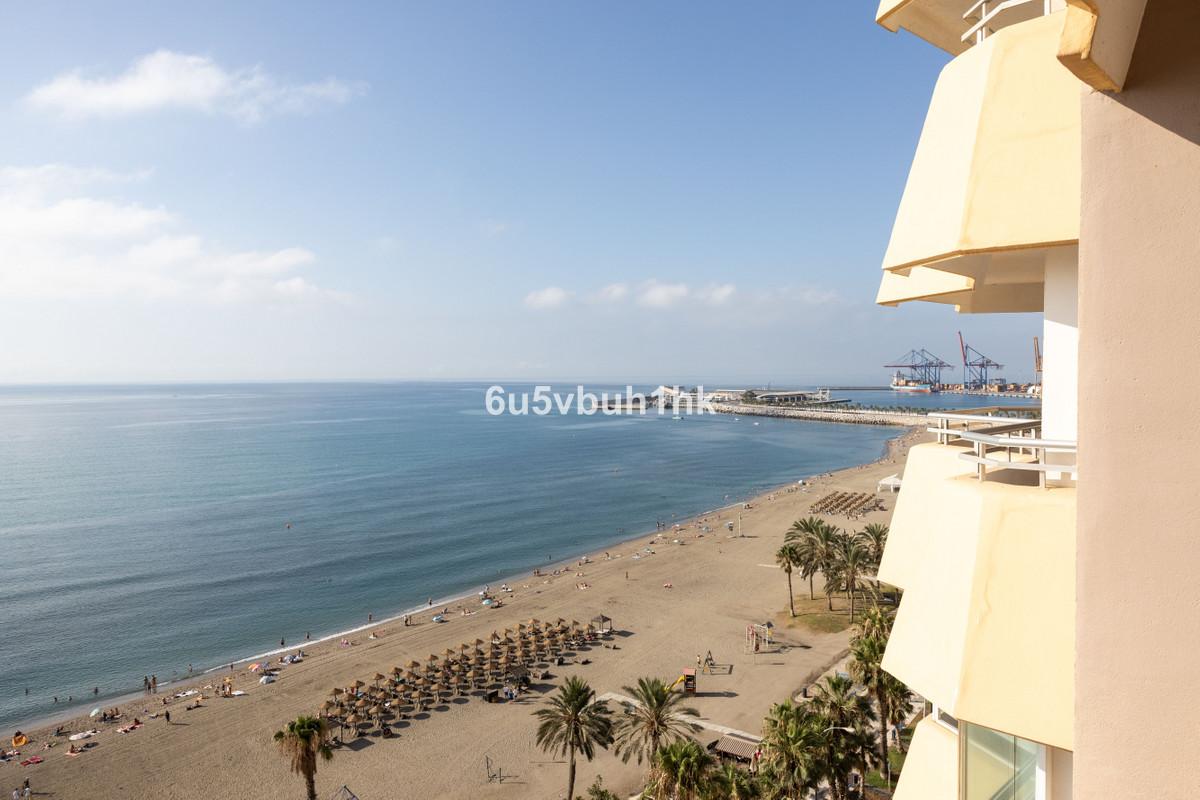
[{"x": 1137, "y": 699}]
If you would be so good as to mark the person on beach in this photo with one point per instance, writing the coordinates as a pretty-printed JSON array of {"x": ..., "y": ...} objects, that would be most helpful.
[
  {"x": 282, "y": 642},
  {"x": 167, "y": 716},
  {"x": 153, "y": 684}
]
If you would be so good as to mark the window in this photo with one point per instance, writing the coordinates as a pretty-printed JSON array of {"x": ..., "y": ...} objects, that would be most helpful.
[{"x": 996, "y": 766}]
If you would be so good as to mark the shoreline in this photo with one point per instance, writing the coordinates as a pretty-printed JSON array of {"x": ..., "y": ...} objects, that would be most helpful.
[
  {"x": 47, "y": 722},
  {"x": 674, "y": 594}
]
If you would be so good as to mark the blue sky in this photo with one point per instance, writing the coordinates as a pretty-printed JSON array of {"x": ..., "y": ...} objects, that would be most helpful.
[{"x": 684, "y": 191}]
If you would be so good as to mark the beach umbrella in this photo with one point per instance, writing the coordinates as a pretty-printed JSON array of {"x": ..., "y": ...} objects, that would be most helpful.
[
  {"x": 432, "y": 658},
  {"x": 338, "y": 691},
  {"x": 358, "y": 684},
  {"x": 361, "y": 703},
  {"x": 414, "y": 664},
  {"x": 375, "y": 710},
  {"x": 328, "y": 704},
  {"x": 379, "y": 676}
]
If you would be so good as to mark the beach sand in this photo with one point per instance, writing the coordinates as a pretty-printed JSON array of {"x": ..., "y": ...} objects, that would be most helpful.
[{"x": 721, "y": 583}]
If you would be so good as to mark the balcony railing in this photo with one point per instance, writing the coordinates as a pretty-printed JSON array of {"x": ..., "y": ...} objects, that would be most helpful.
[
  {"x": 1002, "y": 443},
  {"x": 988, "y": 16}
]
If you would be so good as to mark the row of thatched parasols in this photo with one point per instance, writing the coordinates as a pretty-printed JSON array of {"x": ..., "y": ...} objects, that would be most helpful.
[{"x": 478, "y": 665}]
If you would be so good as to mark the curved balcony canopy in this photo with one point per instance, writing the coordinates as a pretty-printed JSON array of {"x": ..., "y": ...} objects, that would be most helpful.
[
  {"x": 995, "y": 183},
  {"x": 986, "y": 625}
]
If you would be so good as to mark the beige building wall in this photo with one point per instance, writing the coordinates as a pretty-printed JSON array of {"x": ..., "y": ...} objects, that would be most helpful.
[{"x": 1137, "y": 700}]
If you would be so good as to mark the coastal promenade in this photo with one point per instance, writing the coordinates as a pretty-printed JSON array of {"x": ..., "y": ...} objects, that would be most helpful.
[{"x": 851, "y": 415}]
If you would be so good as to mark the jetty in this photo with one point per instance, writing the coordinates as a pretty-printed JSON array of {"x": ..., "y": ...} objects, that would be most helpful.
[{"x": 857, "y": 416}]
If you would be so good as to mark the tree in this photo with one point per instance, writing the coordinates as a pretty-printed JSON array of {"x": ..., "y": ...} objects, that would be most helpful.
[
  {"x": 597, "y": 791},
  {"x": 875, "y": 623},
  {"x": 899, "y": 705},
  {"x": 730, "y": 782},
  {"x": 873, "y": 537},
  {"x": 866, "y": 667},
  {"x": 794, "y": 741},
  {"x": 305, "y": 740},
  {"x": 657, "y": 717},
  {"x": 787, "y": 557},
  {"x": 574, "y": 722},
  {"x": 849, "y": 562},
  {"x": 682, "y": 771},
  {"x": 814, "y": 539},
  {"x": 848, "y": 714}
]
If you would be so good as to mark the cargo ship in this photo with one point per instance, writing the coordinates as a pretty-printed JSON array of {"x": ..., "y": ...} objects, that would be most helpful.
[{"x": 901, "y": 384}]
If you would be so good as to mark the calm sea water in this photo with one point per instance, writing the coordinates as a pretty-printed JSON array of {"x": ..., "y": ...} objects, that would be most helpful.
[{"x": 145, "y": 528}]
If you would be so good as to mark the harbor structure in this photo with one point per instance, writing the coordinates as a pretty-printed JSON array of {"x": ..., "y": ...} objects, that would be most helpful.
[{"x": 1058, "y": 172}]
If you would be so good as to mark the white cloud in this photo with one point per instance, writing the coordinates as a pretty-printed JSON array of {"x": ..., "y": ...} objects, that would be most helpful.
[
  {"x": 716, "y": 294},
  {"x": 550, "y": 297},
  {"x": 613, "y": 293},
  {"x": 56, "y": 243},
  {"x": 167, "y": 80},
  {"x": 661, "y": 295}
]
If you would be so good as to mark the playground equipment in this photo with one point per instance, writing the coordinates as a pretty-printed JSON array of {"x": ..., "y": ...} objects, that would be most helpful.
[
  {"x": 688, "y": 679},
  {"x": 758, "y": 637}
]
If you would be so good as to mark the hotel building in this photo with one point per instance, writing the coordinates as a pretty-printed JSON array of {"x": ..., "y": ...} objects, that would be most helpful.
[{"x": 1049, "y": 611}]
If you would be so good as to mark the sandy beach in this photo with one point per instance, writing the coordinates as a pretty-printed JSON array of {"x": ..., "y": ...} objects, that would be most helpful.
[{"x": 719, "y": 583}]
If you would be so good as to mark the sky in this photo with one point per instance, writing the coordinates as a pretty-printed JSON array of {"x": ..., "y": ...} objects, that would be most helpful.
[{"x": 528, "y": 190}]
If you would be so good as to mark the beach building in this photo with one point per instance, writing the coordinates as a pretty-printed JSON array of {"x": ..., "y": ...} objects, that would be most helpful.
[{"x": 1058, "y": 171}]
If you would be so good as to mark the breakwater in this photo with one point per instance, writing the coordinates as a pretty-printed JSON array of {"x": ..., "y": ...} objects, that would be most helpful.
[{"x": 825, "y": 414}]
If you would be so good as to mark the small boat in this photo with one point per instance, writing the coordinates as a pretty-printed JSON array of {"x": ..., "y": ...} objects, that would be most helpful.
[
  {"x": 756, "y": 423},
  {"x": 677, "y": 417}
]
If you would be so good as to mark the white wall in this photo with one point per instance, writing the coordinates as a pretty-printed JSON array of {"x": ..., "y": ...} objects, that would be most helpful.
[{"x": 1060, "y": 345}]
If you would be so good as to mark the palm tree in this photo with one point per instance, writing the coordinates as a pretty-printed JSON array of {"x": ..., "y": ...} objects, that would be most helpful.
[
  {"x": 875, "y": 623},
  {"x": 303, "y": 741},
  {"x": 866, "y": 667},
  {"x": 850, "y": 562},
  {"x": 848, "y": 714},
  {"x": 794, "y": 740},
  {"x": 814, "y": 539},
  {"x": 874, "y": 537},
  {"x": 787, "y": 557},
  {"x": 899, "y": 704},
  {"x": 682, "y": 771},
  {"x": 732, "y": 783},
  {"x": 574, "y": 722},
  {"x": 656, "y": 717}
]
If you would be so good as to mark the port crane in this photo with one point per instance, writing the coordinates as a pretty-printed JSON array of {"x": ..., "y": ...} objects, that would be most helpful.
[
  {"x": 922, "y": 366},
  {"x": 1037, "y": 360},
  {"x": 975, "y": 365}
]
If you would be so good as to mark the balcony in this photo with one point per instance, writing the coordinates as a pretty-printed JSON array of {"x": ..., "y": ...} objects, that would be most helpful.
[
  {"x": 985, "y": 554},
  {"x": 1000, "y": 448},
  {"x": 993, "y": 192},
  {"x": 1095, "y": 42},
  {"x": 956, "y": 25}
]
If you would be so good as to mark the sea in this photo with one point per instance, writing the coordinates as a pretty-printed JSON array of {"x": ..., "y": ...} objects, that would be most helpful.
[{"x": 149, "y": 530}]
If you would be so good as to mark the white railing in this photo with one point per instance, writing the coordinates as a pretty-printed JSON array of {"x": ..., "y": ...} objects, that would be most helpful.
[
  {"x": 1053, "y": 459},
  {"x": 995, "y": 440},
  {"x": 951, "y": 425},
  {"x": 988, "y": 15}
]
